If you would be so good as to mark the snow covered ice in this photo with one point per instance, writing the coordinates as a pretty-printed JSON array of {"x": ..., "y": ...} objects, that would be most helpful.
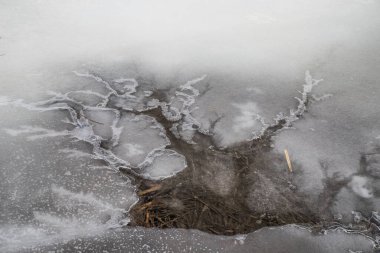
[{"x": 102, "y": 100}]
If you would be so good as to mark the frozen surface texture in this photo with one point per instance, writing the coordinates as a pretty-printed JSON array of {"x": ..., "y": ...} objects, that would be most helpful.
[
  {"x": 206, "y": 95},
  {"x": 284, "y": 239}
]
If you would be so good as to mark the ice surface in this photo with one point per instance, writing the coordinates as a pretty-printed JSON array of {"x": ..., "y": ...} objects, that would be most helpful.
[
  {"x": 179, "y": 109},
  {"x": 245, "y": 124},
  {"x": 360, "y": 186},
  {"x": 104, "y": 121},
  {"x": 125, "y": 86},
  {"x": 74, "y": 84},
  {"x": 87, "y": 97},
  {"x": 51, "y": 194},
  {"x": 337, "y": 137},
  {"x": 162, "y": 164},
  {"x": 140, "y": 136},
  {"x": 283, "y": 239}
]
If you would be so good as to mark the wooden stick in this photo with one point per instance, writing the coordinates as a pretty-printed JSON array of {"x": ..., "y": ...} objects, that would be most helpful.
[
  {"x": 146, "y": 205},
  {"x": 152, "y": 189},
  {"x": 147, "y": 218},
  {"x": 288, "y": 160}
]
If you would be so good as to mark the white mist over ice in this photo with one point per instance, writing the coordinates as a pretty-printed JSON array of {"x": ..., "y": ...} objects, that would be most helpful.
[{"x": 230, "y": 69}]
